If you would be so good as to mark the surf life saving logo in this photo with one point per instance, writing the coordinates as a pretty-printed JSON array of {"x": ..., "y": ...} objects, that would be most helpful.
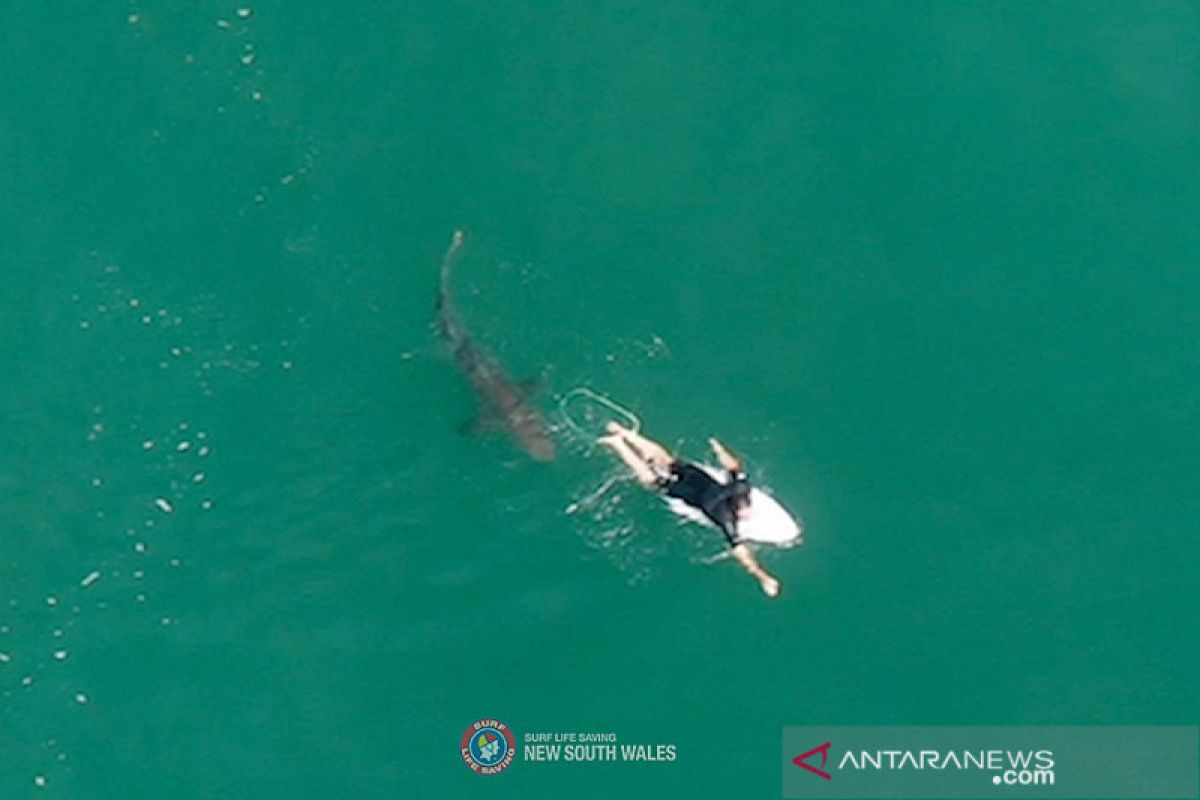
[{"x": 488, "y": 746}]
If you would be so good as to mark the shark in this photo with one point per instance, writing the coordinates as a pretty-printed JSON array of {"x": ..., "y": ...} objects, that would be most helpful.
[{"x": 506, "y": 402}]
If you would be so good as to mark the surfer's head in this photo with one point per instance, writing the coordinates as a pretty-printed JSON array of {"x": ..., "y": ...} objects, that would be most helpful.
[{"x": 740, "y": 491}]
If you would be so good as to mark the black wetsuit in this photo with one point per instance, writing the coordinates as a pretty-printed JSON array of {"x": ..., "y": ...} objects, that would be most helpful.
[{"x": 717, "y": 501}]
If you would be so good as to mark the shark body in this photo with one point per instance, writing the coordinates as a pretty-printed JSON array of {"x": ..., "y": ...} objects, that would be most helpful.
[{"x": 505, "y": 402}]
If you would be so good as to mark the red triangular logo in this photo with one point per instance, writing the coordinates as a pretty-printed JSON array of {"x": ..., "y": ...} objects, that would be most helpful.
[{"x": 824, "y": 751}]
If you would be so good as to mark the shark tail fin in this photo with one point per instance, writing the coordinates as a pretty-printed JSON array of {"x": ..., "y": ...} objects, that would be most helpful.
[{"x": 448, "y": 262}]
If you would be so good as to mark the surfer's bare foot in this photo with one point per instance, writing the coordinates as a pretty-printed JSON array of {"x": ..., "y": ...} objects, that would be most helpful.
[
  {"x": 640, "y": 469},
  {"x": 650, "y": 451}
]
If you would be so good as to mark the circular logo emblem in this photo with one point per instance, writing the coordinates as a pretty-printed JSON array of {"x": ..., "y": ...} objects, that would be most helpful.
[{"x": 488, "y": 746}]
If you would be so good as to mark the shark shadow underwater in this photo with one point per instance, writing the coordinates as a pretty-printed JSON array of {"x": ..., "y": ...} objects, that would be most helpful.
[{"x": 505, "y": 402}]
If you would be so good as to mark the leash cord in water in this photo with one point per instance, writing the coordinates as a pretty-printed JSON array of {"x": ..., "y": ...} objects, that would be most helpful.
[{"x": 632, "y": 420}]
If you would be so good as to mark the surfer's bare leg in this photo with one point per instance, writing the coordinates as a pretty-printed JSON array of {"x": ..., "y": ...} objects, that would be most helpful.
[
  {"x": 651, "y": 451},
  {"x": 746, "y": 558},
  {"x": 641, "y": 470}
]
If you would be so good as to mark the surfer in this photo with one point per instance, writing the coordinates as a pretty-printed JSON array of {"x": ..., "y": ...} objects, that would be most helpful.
[{"x": 722, "y": 503}]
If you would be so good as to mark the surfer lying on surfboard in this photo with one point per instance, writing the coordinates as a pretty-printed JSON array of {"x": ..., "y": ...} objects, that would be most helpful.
[{"x": 723, "y": 504}]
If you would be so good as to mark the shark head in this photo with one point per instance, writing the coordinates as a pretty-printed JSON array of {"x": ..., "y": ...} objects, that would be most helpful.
[
  {"x": 530, "y": 430},
  {"x": 540, "y": 447}
]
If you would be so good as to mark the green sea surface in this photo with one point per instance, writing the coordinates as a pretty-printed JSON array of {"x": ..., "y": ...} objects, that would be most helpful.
[{"x": 933, "y": 269}]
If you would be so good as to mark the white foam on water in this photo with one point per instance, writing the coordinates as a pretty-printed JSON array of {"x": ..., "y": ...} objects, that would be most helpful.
[{"x": 205, "y": 360}]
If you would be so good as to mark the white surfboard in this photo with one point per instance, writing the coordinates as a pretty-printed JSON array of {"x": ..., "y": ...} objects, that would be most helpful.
[{"x": 767, "y": 522}]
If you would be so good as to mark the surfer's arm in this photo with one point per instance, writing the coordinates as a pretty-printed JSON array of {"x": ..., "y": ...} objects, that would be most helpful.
[
  {"x": 728, "y": 460},
  {"x": 745, "y": 557}
]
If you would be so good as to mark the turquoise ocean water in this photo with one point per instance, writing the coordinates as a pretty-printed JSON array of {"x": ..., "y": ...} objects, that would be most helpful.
[{"x": 933, "y": 268}]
